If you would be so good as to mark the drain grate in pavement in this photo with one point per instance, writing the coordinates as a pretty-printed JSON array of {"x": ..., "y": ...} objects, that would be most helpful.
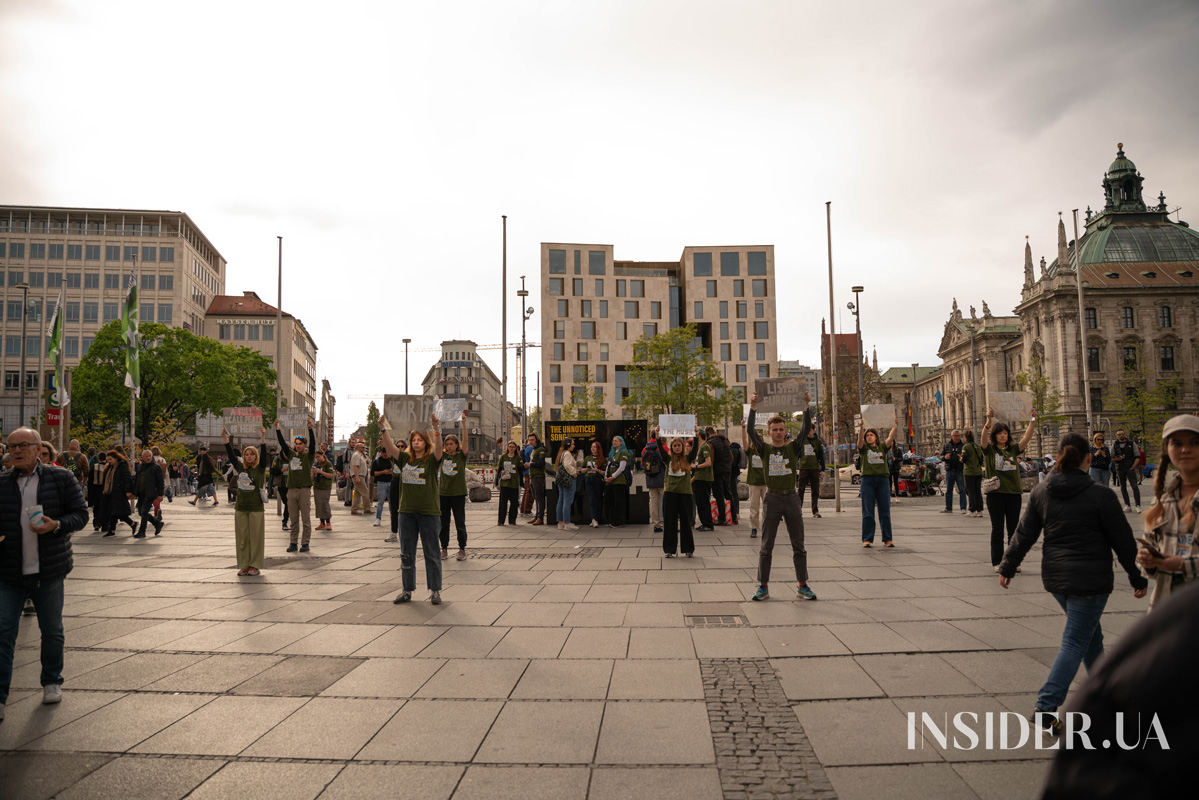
[
  {"x": 761, "y": 749},
  {"x": 563, "y": 552},
  {"x": 716, "y": 621}
]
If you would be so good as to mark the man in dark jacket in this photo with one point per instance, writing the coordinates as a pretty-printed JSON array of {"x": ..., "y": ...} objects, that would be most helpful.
[
  {"x": 1126, "y": 456},
  {"x": 955, "y": 475},
  {"x": 722, "y": 464},
  {"x": 738, "y": 461},
  {"x": 40, "y": 506},
  {"x": 148, "y": 485},
  {"x": 652, "y": 462},
  {"x": 205, "y": 485}
]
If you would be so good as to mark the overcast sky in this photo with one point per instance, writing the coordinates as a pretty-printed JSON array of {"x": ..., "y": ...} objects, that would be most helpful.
[{"x": 384, "y": 140}]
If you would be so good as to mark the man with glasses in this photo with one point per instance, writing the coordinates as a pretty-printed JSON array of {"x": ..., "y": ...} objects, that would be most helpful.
[
  {"x": 40, "y": 506},
  {"x": 951, "y": 456},
  {"x": 1126, "y": 456}
]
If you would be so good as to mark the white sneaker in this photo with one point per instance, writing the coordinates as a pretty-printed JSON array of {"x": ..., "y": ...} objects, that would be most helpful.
[
  {"x": 51, "y": 694},
  {"x": 571, "y": 527},
  {"x": 963, "y": 512},
  {"x": 594, "y": 524},
  {"x": 1127, "y": 509},
  {"x": 375, "y": 524},
  {"x": 392, "y": 538},
  {"x": 1138, "y": 509}
]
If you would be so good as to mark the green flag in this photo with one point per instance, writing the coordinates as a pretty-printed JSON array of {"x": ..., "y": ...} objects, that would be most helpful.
[
  {"x": 129, "y": 332},
  {"x": 55, "y": 336}
]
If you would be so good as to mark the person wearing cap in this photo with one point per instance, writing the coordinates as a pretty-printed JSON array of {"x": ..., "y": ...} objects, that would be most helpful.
[
  {"x": 1170, "y": 560},
  {"x": 299, "y": 485}
]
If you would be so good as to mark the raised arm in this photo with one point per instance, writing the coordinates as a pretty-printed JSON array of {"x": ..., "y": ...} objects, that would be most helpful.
[
  {"x": 861, "y": 434},
  {"x": 388, "y": 445},
  {"x": 752, "y": 423},
  {"x": 1027, "y": 437},
  {"x": 891, "y": 437},
  {"x": 806, "y": 426},
  {"x": 283, "y": 448},
  {"x": 311, "y": 438},
  {"x": 462, "y": 438},
  {"x": 436, "y": 443},
  {"x": 985, "y": 439}
]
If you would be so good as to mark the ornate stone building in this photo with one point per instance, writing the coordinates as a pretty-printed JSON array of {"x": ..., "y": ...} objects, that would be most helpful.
[{"x": 991, "y": 341}]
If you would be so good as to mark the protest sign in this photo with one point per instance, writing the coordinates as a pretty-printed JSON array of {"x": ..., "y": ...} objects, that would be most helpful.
[
  {"x": 408, "y": 412},
  {"x": 880, "y": 417},
  {"x": 242, "y": 421},
  {"x": 780, "y": 395},
  {"x": 294, "y": 418},
  {"x": 671, "y": 426},
  {"x": 1010, "y": 406},
  {"x": 449, "y": 410}
]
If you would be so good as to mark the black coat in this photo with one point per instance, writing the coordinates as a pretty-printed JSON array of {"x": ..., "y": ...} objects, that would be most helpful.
[
  {"x": 653, "y": 452},
  {"x": 1083, "y": 524},
  {"x": 61, "y": 499},
  {"x": 149, "y": 481},
  {"x": 116, "y": 505},
  {"x": 722, "y": 456}
]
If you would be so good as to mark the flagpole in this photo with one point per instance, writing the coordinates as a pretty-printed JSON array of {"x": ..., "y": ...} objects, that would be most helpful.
[{"x": 133, "y": 389}]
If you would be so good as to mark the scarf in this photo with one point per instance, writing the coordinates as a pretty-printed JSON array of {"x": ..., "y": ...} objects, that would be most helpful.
[{"x": 109, "y": 474}]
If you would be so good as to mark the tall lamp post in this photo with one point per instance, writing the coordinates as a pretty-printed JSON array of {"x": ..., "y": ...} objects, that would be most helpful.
[
  {"x": 525, "y": 313},
  {"x": 915, "y": 410},
  {"x": 24, "y": 287},
  {"x": 406, "y": 341},
  {"x": 856, "y": 308}
]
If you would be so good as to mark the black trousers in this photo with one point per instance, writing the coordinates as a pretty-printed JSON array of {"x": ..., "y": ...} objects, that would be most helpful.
[
  {"x": 974, "y": 493},
  {"x": 734, "y": 500},
  {"x": 1003, "y": 508},
  {"x": 720, "y": 488},
  {"x": 676, "y": 522},
  {"x": 145, "y": 508},
  {"x": 393, "y": 505},
  {"x": 1126, "y": 477},
  {"x": 809, "y": 478},
  {"x": 457, "y": 506},
  {"x": 618, "y": 497},
  {"x": 283, "y": 498},
  {"x": 510, "y": 500},
  {"x": 537, "y": 484},
  {"x": 894, "y": 484},
  {"x": 703, "y": 504}
]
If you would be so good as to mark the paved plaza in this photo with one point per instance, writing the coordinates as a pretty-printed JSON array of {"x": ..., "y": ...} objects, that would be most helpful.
[{"x": 561, "y": 665}]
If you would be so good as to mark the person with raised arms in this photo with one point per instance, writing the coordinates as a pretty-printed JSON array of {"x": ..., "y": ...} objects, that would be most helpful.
[
  {"x": 453, "y": 491},
  {"x": 249, "y": 524},
  {"x": 420, "y": 505}
]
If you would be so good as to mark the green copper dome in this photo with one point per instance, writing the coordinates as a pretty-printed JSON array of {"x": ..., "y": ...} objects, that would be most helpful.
[{"x": 1121, "y": 165}]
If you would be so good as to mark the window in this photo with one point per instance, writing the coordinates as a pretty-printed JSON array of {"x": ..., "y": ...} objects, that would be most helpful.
[
  {"x": 72, "y": 312},
  {"x": 166, "y": 254},
  {"x": 130, "y": 253},
  {"x": 1164, "y": 318},
  {"x": 1096, "y": 399},
  {"x": 35, "y": 310},
  {"x": 587, "y": 330},
  {"x": 1127, "y": 318},
  {"x": 557, "y": 262},
  {"x": 556, "y": 287},
  {"x": 53, "y": 280},
  {"x": 225, "y": 332},
  {"x": 559, "y": 329},
  {"x": 699, "y": 309},
  {"x": 636, "y": 288},
  {"x": 650, "y": 329},
  {"x": 86, "y": 345},
  {"x": 268, "y": 333},
  {"x": 74, "y": 280},
  {"x": 166, "y": 283},
  {"x": 596, "y": 262},
  {"x": 621, "y": 290},
  {"x": 112, "y": 252},
  {"x": 555, "y": 373},
  {"x": 738, "y": 288},
  {"x": 31, "y": 380},
  {"x": 578, "y": 264},
  {"x": 32, "y": 345},
  {"x": 711, "y": 288},
  {"x": 622, "y": 330},
  {"x": 16, "y": 249},
  {"x": 149, "y": 254},
  {"x": 741, "y": 373},
  {"x": 763, "y": 370},
  {"x": 112, "y": 280},
  {"x": 585, "y": 309},
  {"x": 166, "y": 315},
  {"x": 91, "y": 312},
  {"x": 12, "y": 347},
  {"x": 564, "y": 308},
  {"x": 740, "y": 330},
  {"x": 581, "y": 351},
  {"x": 603, "y": 351},
  {"x": 755, "y": 263},
  {"x": 3, "y": 247},
  {"x": 601, "y": 373},
  {"x": 252, "y": 331},
  {"x": 655, "y": 310},
  {"x": 632, "y": 309},
  {"x": 1167, "y": 359},
  {"x": 702, "y": 263},
  {"x": 37, "y": 250},
  {"x": 91, "y": 280},
  {"x": 1130, "y": 358},
  {"x": 743, "y": 351},
  {"x": 759, "y": 287},
  {"x": 1093, "y": 359},
  {"x": 603, "y": 309},
  {"x": 742, "y": 309},
  {"x": 759, "y": 309},
  {"x": 726, "y": 352},
  {"x": 580, "y": 373},
  {"x": 559, "y": 353},
  {"x": 148, "y": 282},
  {"x": 558, "y": 395},
  {"x": 15, "y": 277},
  {"x": 724, "y": 330},
  {"x": 730, "y": 263},
  {"x": 761, "y": 330},
  {"x": 576, "y": 286},
  {"x": 56, "y": 251},
  {"x": 12, "y": 379},
  {"x": 37, "y": 280},
  {"x": 599, "y": 287},
  {"x": 724, "y": 309},
  {"x": 92, "y": 252},
  {"x": 1091, "y": 318},
  {"x": 760, "y": 351}
]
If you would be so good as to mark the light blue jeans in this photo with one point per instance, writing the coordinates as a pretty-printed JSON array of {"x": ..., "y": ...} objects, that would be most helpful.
[
  {"x": 1101, "y": 476},
  {"x": 47, "y": 596},
  {"x": 1082, "y": 641},
  {"x": 566, "y": 499},
  {"x": 383, "y": 491}
]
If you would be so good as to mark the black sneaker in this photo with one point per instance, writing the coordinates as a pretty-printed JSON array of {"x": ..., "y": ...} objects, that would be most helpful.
[
  {"x": 29, "y": 607},
  {"x": 1046, "y": 719},
  {"x": 291, "y": 548},
  {"x": 303, "y": 548}
]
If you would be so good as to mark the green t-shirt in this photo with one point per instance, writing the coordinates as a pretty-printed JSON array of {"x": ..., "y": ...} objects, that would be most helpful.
[
  {"x": 756, "y": 474},
  {"x": 509, "y": 470},
  {"x": 614, "y": 464},
  {"x": 874, "y": 459},
  {"x": 704, "y": 473},
  {"x": 420, "y": 485},
  {"x": 537, "y": 462},
  {"x": 780, "y": 466},
  {"x": 300, "y": 470},
  {"x": 813, "y": 449},
  {"x": 589, "y": 462},
  {"x": 678, "y": 481},
  {"x": 972, "y": 459},
  {"x": 248, "y": 481},
  {"x": 320, "y": 481},
  {"x": 453, "y": 474},
  {"x": 1002, "y": 462}
]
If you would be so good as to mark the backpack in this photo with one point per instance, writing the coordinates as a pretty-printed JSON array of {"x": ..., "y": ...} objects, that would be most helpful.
[{"x": 651, "y": 461}]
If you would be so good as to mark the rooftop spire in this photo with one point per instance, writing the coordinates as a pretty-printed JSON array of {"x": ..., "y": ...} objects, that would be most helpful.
[
  {"x": 1028, "y": 278},
  {"x": 1063, "y": 255}
]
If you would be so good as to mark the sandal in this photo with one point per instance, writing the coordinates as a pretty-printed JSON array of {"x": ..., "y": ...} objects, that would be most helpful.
[
  {"x": 241, "y": 573},
  {"x": 253, "y": 571}
]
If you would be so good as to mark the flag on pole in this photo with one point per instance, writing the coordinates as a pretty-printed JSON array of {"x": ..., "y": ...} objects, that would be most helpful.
[
  {"x": 133, "y": 378},
  {"x": 55, "y": 335},
  {"x": 940, "y": 399}
]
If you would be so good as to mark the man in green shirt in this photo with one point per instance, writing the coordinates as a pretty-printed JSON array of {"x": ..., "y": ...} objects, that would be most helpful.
[
  {"x": 811, "y": 465},
  {"x": 299, "y": 485},
  {"x": 701, "y": 481},
  {"x": 780, "y": 460}
]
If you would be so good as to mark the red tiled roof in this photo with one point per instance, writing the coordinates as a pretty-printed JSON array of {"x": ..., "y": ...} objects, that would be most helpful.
[{"x": 249, "y": 305}]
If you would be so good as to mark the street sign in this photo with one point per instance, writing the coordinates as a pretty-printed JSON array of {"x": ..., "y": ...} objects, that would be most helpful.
[{"x": 54, "y": 416}]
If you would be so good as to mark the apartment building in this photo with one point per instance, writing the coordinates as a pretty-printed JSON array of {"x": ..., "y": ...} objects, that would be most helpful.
[
  {"x": 459, "y": 373},
  {"x": 594, "y": 308},
  {"x": 87, "y": 255}
]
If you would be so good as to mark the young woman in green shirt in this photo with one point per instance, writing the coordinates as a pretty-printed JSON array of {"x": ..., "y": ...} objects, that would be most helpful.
[
  {"x": 1003, "y": 504},
  {"x": 453, "y": 491},
  {"x": 617, "y": 482},
  {"x": 972, "y": 461},
  {"x": 508, "y": 479},
  {"x": 248, "y": 521},
  {"x": 875, "y": 487},
  {"x": 420, "y": 506},
  {"x": 677, "y": 507}
]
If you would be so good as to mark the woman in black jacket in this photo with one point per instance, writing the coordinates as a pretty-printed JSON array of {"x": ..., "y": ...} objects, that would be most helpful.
[
  {"x": 114, "y": 498},
  {"x": 1083, "y": 524}
]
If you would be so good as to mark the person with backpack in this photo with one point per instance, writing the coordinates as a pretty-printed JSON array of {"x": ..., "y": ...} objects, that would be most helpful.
[
  {"x": 655, "y": 478},
  {"x": 566, "y": 474},
  {"x": 722, "y": 461},
  {"x": 738, "y": 463}
]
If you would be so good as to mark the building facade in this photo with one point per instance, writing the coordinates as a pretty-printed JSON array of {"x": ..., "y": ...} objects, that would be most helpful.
[
  {"x": 594, "y": 309},
  {"x": 460, "y": 374},
  {"x": 86, "y": 255},
  {"x": 993, "y": 343},
  {"x": 811, "y": 377}
]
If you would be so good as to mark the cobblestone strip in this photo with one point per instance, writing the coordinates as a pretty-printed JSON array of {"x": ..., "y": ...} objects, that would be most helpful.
[{"x": 761, "y": 749}]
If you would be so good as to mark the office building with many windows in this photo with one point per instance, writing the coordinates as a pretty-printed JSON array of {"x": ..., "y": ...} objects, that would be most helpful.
[
  {"x": 594, "y": 308},
  {"x": 87, "y": 255}
]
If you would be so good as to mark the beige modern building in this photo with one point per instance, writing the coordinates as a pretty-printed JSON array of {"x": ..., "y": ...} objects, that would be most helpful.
[
  {"x": 594, "y": 308},
  {"x": 460, "y": 374},
  {"x": 87, "y": 255},
  {"x": 811, "y": 377}
]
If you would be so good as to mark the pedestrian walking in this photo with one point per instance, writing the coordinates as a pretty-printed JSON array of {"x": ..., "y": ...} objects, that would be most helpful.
[
  {"x": 323, "y": 475},
  {"x": 1126, "y": 456},
  {"x": 875, "y": 486},
  {"x": 722, "y": 460},
  {"x": 781, "y": 467},
  {"x": 595, "y": 465},
  {"x": 116, "y": 494},
  {"x": 1005, "y": 493},
  {"x": 535, "y": 464},
  {"x": 972, "y": 470},
  {"x": 616, "y": 482},
  {"x": 811, "y": 466},
  {"x": 655, "y": 478},
  {"x": 420, "y": 506},
  {"x": 1101, "y": 461},
  {"x": 677, "y": 500},
  {"x": 507, "y": 478},
  {"x": 755, "y": 477},
  {"x": 1168, "y": 553},
  {"x": 381, "y": 475},
  {"x": 452, "y": 491},
  {"x": 360, "y": 480},
  {"x": 40, "y": 507},
  {"x": 565, "y": 481},
  {"x": 149, "y": 487},
  {"x": 205, "y": 482},
  {"x": 299, "y": 485},
  {"x": 955, "y": 476},
  {"x": 702, "y": 475},
  {"x": 1083, "y": 526},
  {"x": 249, "y": 517}
]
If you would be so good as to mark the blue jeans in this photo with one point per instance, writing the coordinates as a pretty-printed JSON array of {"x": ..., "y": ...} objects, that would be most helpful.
[
  {"x": 566, "y": 499},
  {"x": 47, "y": 597},
  {"x": 1082, "y": 640},
  {"x": 383, "y": 489},
  {"x": 595, "y": 498},
  {"x": 876, "y": 490},
  {"x": 1101, "y": 476},
  {"x": 955, "y": 477},
  {"x": 426, "y": 527}
]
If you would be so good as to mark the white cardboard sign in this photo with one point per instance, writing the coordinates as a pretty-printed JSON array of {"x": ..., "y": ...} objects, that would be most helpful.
[
  {"x": 1010, "y": 406},
  {"x": 676, "y": 426},
  {"x": 242, "y": 421},
  {"x": 880, "y": 416},
  {"x": 294, "y": 418}
]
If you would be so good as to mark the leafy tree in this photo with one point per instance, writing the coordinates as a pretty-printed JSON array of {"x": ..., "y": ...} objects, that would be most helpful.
[
  {"x": 535, "y": 425},
  {"x": 1143, "y": 408},
  {"x": 182, "y": 375},
  {"x": 372, "y": 428},
  {"x": 1046, "y": 399},
  {"x": 589, "y": 405},
  {"x": 99, "y": 431},
  {"x": 671, "y": 374}
]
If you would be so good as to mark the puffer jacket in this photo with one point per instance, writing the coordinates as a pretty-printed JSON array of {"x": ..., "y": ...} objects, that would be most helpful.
[
  {"x": 1083, "y": 524},
  {"x": 722, "y": 456},
  {"x": 653, "y": 450},
  {"x": 62, "y": 500}
]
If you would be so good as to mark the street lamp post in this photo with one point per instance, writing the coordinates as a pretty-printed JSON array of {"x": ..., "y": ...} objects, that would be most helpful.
[
  {"x": 24, "y": 287},
  {"x": 856, "y": 308},
  {"x": 525, "y": 313},
  {"x": 406, "y": 341},
  {"x": 915, "y": 410}
]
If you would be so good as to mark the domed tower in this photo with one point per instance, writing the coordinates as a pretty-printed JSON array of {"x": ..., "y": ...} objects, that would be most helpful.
[{"x": 1122, "y": 184}]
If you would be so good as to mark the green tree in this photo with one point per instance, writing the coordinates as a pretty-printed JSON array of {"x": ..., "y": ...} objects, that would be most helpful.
[
  {"x": 535, "y": 425},
  {"x": 1143, "y": 404},
  {"x": 182, "y": 375},
  {"x": 586, "y": 402},
  {"x": 1046, "y": 399},
  {"x": 372, "y": 428},
  {"x": 672, "y": 374}
]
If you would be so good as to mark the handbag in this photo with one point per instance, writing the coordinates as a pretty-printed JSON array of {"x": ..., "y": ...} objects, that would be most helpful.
[
  {"x": 990, "y": 484},
  {"x": 562, "y": 478}
]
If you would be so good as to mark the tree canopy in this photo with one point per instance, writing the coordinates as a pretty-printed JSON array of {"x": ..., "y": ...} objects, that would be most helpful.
[
  {"x": 586, "y": 401},
  {"x": 672, "y": 374},
  {"x": 182, "y": 375}
]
